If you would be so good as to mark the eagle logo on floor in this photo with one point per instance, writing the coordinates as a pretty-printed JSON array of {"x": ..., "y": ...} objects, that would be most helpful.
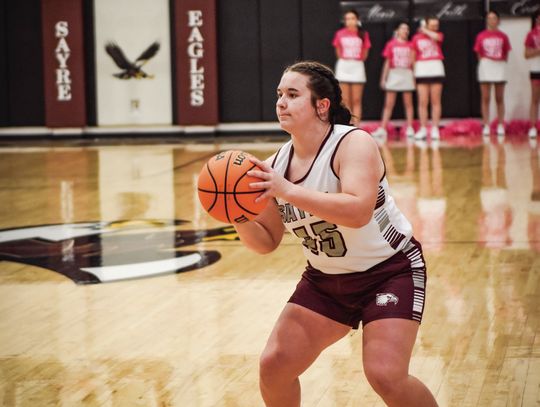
[
  {"x": 131, "y": 69},
  {"x": 97, "y": 252}
]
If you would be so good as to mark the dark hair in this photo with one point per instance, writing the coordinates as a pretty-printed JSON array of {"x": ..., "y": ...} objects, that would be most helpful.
[
  {"x": 431, "y": 17},
  {"x": 361, "y": 32},
  {"x": 534, "y": 17},
  {"x": 323, "y": 84},
  {"x": 493, "y": 12}
]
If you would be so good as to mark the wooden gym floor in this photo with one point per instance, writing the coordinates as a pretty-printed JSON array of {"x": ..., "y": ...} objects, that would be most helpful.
[{"x": 192, "y": 339}]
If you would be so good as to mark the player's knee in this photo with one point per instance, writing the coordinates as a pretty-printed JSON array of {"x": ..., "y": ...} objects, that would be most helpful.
[
  {"x": 272, "y": 365},
  {"x": 384, "y": 379}
]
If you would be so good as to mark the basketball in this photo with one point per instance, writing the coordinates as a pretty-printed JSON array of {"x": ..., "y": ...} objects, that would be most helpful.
[{"x": 224, "y": 191}]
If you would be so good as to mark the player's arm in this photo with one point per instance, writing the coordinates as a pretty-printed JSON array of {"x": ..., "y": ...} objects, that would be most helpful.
[
  {"x": 365, "y": 53},
  {"x": 264, "y": 233},
  {"x": 531, "y": 52},
  {"x": 434, "y": 35},
  {"x": 384, "y": 73},
  {"x": 359, "y": 167}
]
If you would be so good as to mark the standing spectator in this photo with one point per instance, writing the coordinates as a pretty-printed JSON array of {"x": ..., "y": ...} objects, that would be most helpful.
[
  {"x": 532, "y": 53},
  {"x": 492, "y": 47},
  {"x": 352, "y": 46},
  {"x": 429, "y": 73},
  {"x": 397, "y": 76}
]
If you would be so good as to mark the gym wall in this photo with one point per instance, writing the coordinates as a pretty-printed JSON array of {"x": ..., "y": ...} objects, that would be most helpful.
[{"x": 255, "y": 41}]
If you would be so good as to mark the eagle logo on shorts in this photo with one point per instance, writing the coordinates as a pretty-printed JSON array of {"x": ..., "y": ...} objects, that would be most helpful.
[{"x": 383, "y": 299}]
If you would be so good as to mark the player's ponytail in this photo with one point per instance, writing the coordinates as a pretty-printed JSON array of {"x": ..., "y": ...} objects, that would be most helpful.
[{"x": 323, "y": 84}]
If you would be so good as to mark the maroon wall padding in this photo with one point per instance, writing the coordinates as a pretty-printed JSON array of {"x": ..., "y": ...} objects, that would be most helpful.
[
  {"x": 195, "y": 62},
  {"x": 62, "y": 25}
]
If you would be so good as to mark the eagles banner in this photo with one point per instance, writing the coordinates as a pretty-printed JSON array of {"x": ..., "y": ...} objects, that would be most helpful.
[{"x": 133, "y": 66}]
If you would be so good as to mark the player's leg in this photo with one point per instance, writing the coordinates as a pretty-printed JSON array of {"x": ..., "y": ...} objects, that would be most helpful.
[
  {"x": 297, "y": 339},
  {"x": 387, "y": 349},
  {"x": 499, "y": 100},
  {"x": 422, "y": 90},
  {"x": 346, "y": 94},
  {"x": 533, "y": 112},
  {"x": 357, "y": 93},
  {"x": 409, "y": 108},
  {"x": 389, "y": 103},
  {"x": 435, "y": 98},
  {"x": 485, "y": 92}
]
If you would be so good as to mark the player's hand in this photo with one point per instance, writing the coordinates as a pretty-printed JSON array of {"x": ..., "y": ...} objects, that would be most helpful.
[{"x": 274, "y": 184}]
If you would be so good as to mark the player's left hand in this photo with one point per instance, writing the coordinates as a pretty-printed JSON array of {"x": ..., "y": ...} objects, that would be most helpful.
[{"x": 274, "y": 184}]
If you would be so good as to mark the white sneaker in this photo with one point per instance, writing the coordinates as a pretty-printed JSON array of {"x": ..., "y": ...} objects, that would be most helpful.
[
  {"x": 485, "y": 130},
  {"x": 380, "y": 132},
  {"x": 409, "y": 132},
  {"x": 533, "y": 133},
  {"x": 500, "y": 130},
  {"x": 421, "y": 134},
  {"x": 435, "y": 135}
]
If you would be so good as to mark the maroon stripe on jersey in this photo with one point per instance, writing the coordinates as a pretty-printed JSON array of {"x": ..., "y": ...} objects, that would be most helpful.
[
  {"x": 275, "y": 158},
  {"x": 393, "y": 237},
  {"x": 336, "y": 149},
  {"x": 380, "y": 197},
  {"x": 330, "y": 130}
]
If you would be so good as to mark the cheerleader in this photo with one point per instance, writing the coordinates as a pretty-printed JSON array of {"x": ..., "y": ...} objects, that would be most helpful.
[
  {"x": 429, "y": 73},
  {"x": 532, "y": 53},
  {"x": 397, "y": 76},
  {"x": 492, "y": 47},
  {"x": 352, "y": 46}
]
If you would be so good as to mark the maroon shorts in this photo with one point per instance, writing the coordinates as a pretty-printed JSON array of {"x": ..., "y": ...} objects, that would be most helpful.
[{"x": 394, "y": 288}]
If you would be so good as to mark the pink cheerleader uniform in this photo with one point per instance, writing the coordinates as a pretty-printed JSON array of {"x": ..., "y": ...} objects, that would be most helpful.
[
  {"x": 492, "y": 47},
  {"x": 400, "y": 58},
  {"x": 350, "y": 66}
]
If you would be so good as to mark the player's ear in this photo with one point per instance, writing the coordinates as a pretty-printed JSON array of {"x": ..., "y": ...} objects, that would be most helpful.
[{"x": 323, "y": 105}]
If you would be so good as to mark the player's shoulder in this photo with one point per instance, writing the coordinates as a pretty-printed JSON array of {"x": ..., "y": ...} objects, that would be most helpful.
[{"x": 353, "y": 137}]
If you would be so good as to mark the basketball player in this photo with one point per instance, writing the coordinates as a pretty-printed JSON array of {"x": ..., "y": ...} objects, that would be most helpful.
[
  {"x": 429, "y": 73},
  {"x": 492, "y": 47},
  {"x": 330, "y": 190},
  {"x": 532, "y": 53},
  {"x": 352, "y": 47},
  {"x": 397, "y": 76}
]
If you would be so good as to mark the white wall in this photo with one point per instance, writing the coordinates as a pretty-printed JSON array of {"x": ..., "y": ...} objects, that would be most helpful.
[{"x": 518, "y": 88}]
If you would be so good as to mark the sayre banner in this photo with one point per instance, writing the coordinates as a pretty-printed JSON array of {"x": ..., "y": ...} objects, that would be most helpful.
[
  {"x": 449, "y": 10},
  {"x": 378, "y": 11},
  {"x": 196, "y": 62},
  {"x": 63, "y": 63},
  {"x": 520, "y": 8}
]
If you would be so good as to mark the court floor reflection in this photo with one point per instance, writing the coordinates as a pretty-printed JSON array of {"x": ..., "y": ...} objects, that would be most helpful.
[{"x": 193, "y": 338}]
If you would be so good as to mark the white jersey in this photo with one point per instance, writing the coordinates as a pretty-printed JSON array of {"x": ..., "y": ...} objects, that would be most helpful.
[{"x": 336, "y": 249}]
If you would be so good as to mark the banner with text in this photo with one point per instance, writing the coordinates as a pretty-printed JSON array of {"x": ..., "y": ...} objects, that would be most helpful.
[
  {"x": 133, "y": 63},
  {"x": 63, "y": 63},
  {"x": 520, "y": 8},
  {"x": 196, "y": 62},
  {"x": 378, "y": 11},
  {"x": 449, "y": 10}
]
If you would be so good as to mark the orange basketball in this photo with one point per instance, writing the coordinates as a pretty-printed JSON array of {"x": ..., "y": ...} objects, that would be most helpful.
[{"x": 224, "y": 190}]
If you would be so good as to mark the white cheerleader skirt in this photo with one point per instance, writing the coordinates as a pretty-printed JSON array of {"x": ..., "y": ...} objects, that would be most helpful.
[
  {"x": 399, "y": 80},
  {"x": 490, "y": 71},
  {"x": 350, "y": 71},
  {"x": 433, "y": 68}
]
